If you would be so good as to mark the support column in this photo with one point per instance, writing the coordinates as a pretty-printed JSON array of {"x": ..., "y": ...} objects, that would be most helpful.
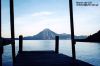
[
  {"x": 12, "y": 28},
  {"x": 72, "y": 29},
  {"x": 1, "y": 47}
]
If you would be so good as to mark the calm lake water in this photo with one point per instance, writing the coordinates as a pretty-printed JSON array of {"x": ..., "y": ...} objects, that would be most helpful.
[{"x": 88, "y": 52}]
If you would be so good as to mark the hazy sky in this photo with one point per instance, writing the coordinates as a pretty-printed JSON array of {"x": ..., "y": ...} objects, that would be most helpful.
[{"x": 32, "y": 16}]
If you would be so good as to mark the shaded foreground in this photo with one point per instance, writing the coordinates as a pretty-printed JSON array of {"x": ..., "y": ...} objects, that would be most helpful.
[{"x": 46, "y": 58}]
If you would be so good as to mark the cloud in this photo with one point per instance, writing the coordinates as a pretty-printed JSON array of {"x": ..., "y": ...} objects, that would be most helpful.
[
  {"x": 31, "y": 24},
  {"x": 35, "y": 17},
  {"x": 46, "y": 13}
]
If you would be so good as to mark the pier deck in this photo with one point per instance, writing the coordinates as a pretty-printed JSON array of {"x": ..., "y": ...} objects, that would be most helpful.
[{"x": 45, "y": 58}]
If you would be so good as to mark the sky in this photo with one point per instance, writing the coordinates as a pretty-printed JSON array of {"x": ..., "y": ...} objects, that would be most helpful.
[{"x": 32, "y": 16}]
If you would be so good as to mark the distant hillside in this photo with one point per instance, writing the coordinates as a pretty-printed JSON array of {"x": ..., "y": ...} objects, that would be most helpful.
[
  {"x": 48, "y": 34},
  {"x": 94, "y": 38},
  {"x": 45, "y": 34}
]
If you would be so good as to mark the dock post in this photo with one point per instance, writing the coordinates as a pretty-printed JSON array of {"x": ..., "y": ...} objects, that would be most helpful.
[
  {"x": 12, "y": 29},
  {"x": 0, "y": 18},
  {"x": 1, "y": 52},
  {"x": 20, "y": 44},
  {"x": 72, "y": 30},
  {"x": 57, "y": 44},
  {"x": 1, "y": 43}
]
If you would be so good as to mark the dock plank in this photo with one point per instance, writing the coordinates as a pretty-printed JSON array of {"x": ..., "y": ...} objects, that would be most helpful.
[{"x": 45, "y": 58}]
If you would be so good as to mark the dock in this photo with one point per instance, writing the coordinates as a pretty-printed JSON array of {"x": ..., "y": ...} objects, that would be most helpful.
[
  {"x": 43, "y": 58},
  {"x": 46, "y": 58}
]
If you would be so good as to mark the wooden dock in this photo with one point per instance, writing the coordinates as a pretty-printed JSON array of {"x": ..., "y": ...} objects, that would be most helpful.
[
  {"x": 46, "y": 58},
  {"x": 43, "y": 58}
]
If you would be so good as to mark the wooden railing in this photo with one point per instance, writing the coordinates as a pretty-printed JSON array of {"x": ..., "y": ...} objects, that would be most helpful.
[{"x": 56, "y": 44}]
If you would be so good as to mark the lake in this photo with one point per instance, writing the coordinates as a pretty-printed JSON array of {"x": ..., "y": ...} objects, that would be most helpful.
[{"x": 88, "y": 52}]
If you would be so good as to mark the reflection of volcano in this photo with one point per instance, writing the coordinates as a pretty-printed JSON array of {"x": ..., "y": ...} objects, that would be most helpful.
[{"x": 48, "y": 34}]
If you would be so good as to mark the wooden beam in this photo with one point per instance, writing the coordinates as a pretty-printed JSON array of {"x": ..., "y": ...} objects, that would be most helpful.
[
  {"x": 12, "y": 18},
  {"x": 1, "y": 47},
  {"x": 0, "y": 18},
  {"x": 57, "y": 44},
  {"x": 72, "y": 29},
  {"x": 1, "y": 52},
  {"x": 20, "y": 44},
  {"x": 12, "y": 28}
]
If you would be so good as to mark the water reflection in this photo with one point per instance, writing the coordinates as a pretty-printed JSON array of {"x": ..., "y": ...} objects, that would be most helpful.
[{"x": 88, "y": 52}]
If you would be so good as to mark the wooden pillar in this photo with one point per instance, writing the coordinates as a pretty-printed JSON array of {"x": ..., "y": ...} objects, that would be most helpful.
[
  {"x": 72, "y": 29},
  {"x": 57, "y": 44},
  {"x": 20, "y": 44},
  {"x": 12, "y": 28},
  {"x": 1, "y": 44},
  {"x": 0, "y": 58},
  {"x": 0, "y": 18},
  {"x": 1, "y": 52}
]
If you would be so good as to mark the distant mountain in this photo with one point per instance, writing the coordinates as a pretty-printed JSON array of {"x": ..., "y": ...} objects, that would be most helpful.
[
  {"x": 80, "y": 37},
  {"x": 94, "y": 38},
  {"x": 45, "y": 34},
  {"x": 48, "y": 34}
]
